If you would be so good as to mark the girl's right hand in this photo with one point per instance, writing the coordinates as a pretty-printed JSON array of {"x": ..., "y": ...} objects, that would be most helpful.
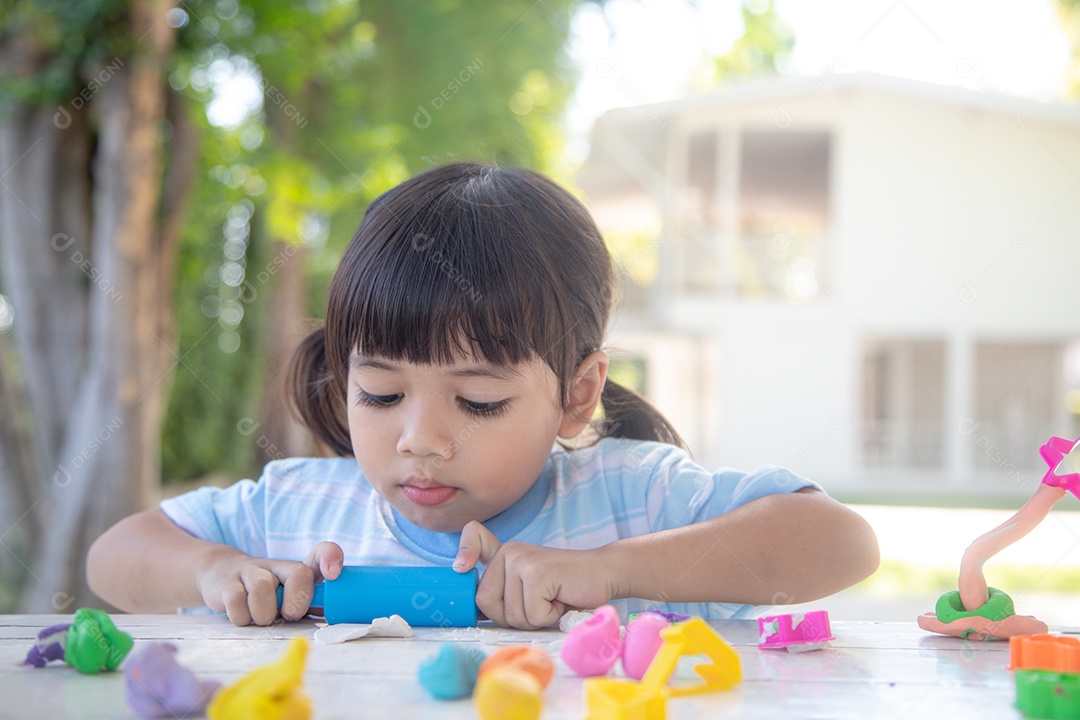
[{"x": 245, "y": 587}]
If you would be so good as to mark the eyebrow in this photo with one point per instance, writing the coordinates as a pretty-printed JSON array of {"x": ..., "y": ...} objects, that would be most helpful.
[{"x": 499, "y": 372}]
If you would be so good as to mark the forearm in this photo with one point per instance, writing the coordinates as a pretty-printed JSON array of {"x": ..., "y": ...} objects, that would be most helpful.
[
  {"x": 146, "y": 563},
  {"x": 779, "y": 549}
]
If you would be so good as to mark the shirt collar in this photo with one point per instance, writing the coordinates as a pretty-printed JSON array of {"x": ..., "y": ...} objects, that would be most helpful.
[{"x": 442, "y": 548}]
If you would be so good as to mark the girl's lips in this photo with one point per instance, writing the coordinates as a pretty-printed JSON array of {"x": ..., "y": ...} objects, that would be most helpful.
[{"x": 428, "y": 496}]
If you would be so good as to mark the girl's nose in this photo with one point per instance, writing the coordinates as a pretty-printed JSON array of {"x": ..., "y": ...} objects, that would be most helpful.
[{"x": 425, "y": 434}]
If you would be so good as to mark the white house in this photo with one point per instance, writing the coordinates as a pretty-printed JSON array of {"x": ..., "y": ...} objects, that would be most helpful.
[{"x": 873, "y": 281}]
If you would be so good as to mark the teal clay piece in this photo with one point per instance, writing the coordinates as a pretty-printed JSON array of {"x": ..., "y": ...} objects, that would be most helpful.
[
  {"x": 1047, "y": 694},
  {"x": 94, "y": 644},
  {"x": 998, "y": 607},
  {"x": 451, "y": 673}
]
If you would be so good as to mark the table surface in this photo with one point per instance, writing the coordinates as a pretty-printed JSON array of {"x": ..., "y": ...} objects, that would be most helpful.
[{"x": 888, "y": 670}]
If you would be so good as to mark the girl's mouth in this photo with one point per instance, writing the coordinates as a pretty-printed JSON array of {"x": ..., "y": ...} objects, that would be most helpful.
[{"x": 427, "y": 494}]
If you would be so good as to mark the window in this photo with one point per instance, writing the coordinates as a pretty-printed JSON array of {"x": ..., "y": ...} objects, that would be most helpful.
[
  {"x": 903, "y": 384},
  {"x": 1019, "y": 402},
  {"x": 783, "y": 214}
]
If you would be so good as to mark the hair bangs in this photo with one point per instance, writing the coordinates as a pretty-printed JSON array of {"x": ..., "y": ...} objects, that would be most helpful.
[{"x": 453, "y": 278}]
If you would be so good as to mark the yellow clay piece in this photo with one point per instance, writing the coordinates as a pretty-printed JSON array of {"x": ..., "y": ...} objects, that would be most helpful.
[
  {"x": 508, "y": 694},
  {"x": 611, "y": 699},
  {"x": 274, "y": 692}
]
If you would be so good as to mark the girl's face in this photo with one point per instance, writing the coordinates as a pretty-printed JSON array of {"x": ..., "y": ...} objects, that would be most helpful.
[{"x": 446, "y": 444}]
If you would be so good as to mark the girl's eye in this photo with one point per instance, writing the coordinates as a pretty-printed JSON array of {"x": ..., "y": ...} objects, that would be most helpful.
[
  {"x": 490, "y": 409},
  {"x": 366, "y": 398}
]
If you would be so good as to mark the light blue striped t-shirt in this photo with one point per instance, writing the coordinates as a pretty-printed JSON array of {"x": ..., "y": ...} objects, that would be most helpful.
[{"x": 584, "y": 499}]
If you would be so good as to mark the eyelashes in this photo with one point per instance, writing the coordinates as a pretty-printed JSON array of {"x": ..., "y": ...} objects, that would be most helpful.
[
  {"x": 478, "y": 409},
  {"x": 488, "y": 410},
  {"x": 366, "y": 398}
]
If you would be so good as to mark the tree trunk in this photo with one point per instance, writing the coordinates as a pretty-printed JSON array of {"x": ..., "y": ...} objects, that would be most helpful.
[
  {"x": 83, "y": 263},
  {"x": 282, "y": 436},
  {"x": 18, "y": 518}
]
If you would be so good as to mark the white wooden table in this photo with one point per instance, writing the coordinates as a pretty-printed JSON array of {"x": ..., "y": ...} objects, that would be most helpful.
[{"x": 887, "y": 670}]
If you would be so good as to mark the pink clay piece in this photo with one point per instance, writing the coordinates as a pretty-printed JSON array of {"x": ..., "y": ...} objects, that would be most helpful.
[
  {"x": 983, "y": 628},
  {"x": 642, "y": 643},
  {"x": 593, "y": 646}
]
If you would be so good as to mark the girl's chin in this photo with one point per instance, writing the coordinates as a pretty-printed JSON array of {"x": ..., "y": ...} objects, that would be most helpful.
[
  {"x": 440, "y": 520},
  {"x": 435, "y": 520}
]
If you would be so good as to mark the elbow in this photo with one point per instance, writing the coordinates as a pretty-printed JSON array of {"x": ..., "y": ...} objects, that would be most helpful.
[
  {"x": 869, "y": 555},
  {"x": 96, "y": 569},
  {"x": 850, "y": 556},
  {"x": 104, "y": 574},
  {"x": 859, "y": 554}
]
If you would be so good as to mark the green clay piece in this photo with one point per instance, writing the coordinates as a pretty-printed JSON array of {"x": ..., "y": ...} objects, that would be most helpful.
[
  {"x": 94, "y": 644},
  {"x": 998, "y": 607},
  {"x": 1047, "y": 694}
]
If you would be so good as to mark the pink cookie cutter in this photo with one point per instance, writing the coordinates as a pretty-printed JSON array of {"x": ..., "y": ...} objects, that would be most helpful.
[{"x": 795, "y": 633}]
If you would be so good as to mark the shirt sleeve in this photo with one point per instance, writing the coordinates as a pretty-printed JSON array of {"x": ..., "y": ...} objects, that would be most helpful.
[
  {"x": 679, "y": 492},
  {"x": 233, "y": 516}
]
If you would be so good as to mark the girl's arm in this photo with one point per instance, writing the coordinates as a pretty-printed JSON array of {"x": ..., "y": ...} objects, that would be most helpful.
[
  {"x": 779, "y": 549},
  {"x": 148, "y": 564}
]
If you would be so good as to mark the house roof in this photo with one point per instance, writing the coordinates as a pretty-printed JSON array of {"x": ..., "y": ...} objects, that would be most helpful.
[{"x": 779, "y": 89}]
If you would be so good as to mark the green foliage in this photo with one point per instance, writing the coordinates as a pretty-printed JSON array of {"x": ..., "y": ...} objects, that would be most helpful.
[
  {"x": 1069, "y": 16},
  {"x": 213, "y": 389},
  {"x": 70, "y": 37},
  {"x": 765, "y": 43},
  {"x": 355, "y": 99}
]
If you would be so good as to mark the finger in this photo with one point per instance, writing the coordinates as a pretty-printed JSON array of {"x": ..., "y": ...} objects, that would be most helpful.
[
  {"x": 261, "y": 585},
  {"x": 298, "y": 591},
  {"x": 514, "y": 601},
  {"x": 236, "y": 603},
  {"x": 326, "y": 559},
  {"x": 477, "y": 546},
  {"x": 540, "y": 610},
  {"x": 489, "y": 593}
]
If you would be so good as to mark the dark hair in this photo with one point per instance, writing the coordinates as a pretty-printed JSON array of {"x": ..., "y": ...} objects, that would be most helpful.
[{"x": 468, "y": 258}]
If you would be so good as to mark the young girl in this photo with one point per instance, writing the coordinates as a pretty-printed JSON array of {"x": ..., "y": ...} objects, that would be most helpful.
[{"x": 463, "y": 339}]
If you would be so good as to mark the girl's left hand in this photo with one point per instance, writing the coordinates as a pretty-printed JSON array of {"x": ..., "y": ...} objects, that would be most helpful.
[{"x": 528, "y": 586}]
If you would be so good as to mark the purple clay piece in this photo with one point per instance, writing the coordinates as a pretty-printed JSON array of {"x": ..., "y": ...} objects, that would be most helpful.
[
  {"x": 158, "y": 686},
  {"x": 49, "y": 646},
  {"x": 672, "y": 617}
]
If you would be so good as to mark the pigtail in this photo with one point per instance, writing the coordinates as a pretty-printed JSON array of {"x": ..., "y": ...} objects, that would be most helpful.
[
  {"x": 316, "y": 396},
  {"x": 629, "y": 415}
]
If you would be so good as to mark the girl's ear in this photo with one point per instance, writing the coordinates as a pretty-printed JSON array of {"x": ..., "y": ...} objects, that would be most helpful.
[{"x": 585, "y": 391}]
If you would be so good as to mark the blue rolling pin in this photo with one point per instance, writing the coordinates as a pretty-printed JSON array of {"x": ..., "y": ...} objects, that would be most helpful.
[{"x": 423, "y": 596}]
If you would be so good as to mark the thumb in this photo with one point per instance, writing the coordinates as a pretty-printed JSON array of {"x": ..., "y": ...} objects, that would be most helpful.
[
  {"x": 478, "y": 546},
  {"x": 326, "y": 560}
]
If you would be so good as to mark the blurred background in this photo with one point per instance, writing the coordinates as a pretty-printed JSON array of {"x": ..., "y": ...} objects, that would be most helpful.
[{"x": 846, "y": 236}]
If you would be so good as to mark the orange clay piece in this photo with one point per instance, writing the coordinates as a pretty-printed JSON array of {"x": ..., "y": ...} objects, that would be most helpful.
[
  {"x": 532, "y": 660},
  {"x": 1045, "y": 652},
  {"x": 980, "y": 628}
]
